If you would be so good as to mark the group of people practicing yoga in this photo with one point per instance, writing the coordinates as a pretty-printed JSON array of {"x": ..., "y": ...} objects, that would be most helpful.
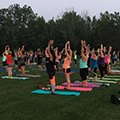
[{"x": 93, "y": 60}]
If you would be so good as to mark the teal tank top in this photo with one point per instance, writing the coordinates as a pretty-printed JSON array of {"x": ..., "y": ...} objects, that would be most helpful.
[{"x": 83, "y": 64}]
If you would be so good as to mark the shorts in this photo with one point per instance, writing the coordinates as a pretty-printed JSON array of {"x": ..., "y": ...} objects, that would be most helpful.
[
  {"x": 16, "y": 62},
  {"x": 84, "y": 73},
  {"x": 4, "y": 63},
  {"x": 31, "y": 61},
  {"x": 109, "y": 63},
  {"x": 22, "y": 64},
  {"x": 39, "y": 62},
  {"x": 9, "y": 65},
  {"x": 67, "y": 70}
]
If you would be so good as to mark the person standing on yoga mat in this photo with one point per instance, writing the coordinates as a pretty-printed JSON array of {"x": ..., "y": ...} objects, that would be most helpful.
[
  {"x": 83, "y": 63},
  {"x": 22, "y": 60},
  {"x": 101, "y": 63},
  {"x": 8, "y": 54},
  {"x": 94, "y": 65},
  {"x": 109, "y": 59},
  {"x": 66, "y": 64},
  {"x": 75, "y": 57},
  {"x": 50, "y": 62},
  {"x": 106, "y": 61}
]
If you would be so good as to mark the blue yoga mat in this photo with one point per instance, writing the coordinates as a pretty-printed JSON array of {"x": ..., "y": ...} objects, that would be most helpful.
[
  {"x": 15, "y": 77},
  {"x": 55, "y": 73},
  {"x": 77, "y": 71},
  {"x": 56, "y": 92},
  {"x": 12, "y": 71},
  {"x": 2, "y": 68}
]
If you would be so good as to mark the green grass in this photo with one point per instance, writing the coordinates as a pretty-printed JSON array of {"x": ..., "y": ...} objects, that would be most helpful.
[{"x": 17, "y": 102}]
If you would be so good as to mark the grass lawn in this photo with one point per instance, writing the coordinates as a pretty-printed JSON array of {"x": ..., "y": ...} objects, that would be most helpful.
[{"x": 17, "y": 102}]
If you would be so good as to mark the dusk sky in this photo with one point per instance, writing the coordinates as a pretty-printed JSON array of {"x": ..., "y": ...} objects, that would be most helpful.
[{"x": 53, "y": 8}]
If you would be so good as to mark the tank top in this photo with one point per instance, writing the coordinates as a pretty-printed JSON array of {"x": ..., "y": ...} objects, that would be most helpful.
[
  {"x": 75, "y": 57},
  {"x": 83, "y": 64},
  {"x": 66, "y": 63},
  {"x": 106, "y": 58}
]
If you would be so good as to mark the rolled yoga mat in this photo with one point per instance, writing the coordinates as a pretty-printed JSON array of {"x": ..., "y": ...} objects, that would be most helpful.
[
  {"x": 15, "y": 77},
  {"x": 80, "y": 84},
  {"x": 56, "y": 92},
  {"x": 74, "y": 88},
  {"x": 26, "y": 75}
]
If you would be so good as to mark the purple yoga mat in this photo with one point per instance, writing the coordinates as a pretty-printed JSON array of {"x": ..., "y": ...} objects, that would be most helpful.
[{"x": 80, "y": 84}]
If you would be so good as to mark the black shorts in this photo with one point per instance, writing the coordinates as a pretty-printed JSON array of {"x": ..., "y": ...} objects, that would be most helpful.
[
  {"x": 67, "y": 70},
  {"x": 22, "y": 64},
  {"x": 39, "y": 62},
  {"x": 4, "y": 63},
  {"x": 31, "y": 61},
  {"x": 51, "y": 74},
  {"x": 16, "y": 62},
  {"x": 84, "y": 73}
]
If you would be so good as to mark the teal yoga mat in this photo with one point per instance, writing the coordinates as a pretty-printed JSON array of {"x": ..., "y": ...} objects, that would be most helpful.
[
  {"x": 56, "y": 92},
  {"x": 15, "y": 77}
]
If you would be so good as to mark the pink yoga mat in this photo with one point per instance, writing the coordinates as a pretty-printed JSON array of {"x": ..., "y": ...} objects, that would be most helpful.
[
  {"x": 80, "y": 84},
  {"x": 74, "y": 88}
]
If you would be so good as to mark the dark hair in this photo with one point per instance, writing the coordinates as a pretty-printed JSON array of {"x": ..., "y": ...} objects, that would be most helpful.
[
  {"x": 23, "y": 52},
  {"x": 96, "y": 53},
  {"x": 53, "y": 54}
]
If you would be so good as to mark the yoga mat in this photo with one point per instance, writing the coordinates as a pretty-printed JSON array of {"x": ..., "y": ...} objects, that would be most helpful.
[
  {"x": 59, "y": 73},
  {"x": 77, "y": 71},
  {"x": 111, "y": 79},
  {"x": 2, "y": 68},
  {"x": 89, "y": 82},
  {"x": 113, "y": 76},
  {"x": 12, "y": 71},
  {"x": 26, "y": 75},
  {"x": 15, "y": 77},
  {"x": 115, "y": 71},
  {"x": 103, "y": 81},
  {"x": 56, "y": 92},
  {"x": 74, "y": 88},
  {"x": 80, "y": 84}
]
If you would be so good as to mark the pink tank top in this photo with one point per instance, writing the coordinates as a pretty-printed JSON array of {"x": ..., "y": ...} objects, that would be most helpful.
[{"x": 106, "y": 58}]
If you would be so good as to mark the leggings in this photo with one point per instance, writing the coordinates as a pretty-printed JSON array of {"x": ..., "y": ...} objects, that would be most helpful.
[
  {"x": 101, "y": 70},
  {"x": 105, "y": 68}
]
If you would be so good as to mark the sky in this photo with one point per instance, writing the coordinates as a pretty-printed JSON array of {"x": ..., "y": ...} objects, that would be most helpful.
[{"x": 53, "y": 8}]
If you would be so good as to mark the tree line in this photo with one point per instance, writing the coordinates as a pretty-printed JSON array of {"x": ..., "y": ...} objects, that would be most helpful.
[{"x": 21, "y": 26}]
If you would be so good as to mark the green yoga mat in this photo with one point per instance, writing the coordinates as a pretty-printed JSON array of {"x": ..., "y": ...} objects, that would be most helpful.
[
  {"x": 56, "y": 92},
  {"x": 89, "y": 82},
  {"x": 103, "y": 81},
  {"x": 15, "y": 77},
  {"x": 111, "y": 79}
]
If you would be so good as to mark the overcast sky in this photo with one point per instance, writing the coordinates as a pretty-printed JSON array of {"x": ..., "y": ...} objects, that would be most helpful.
[{"x": 53, "y": 8}]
